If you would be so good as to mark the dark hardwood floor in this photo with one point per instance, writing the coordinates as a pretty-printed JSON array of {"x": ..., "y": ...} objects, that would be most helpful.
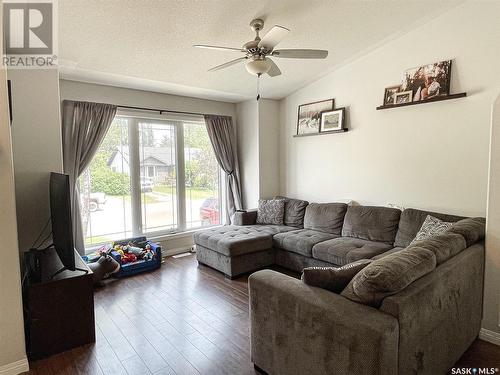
[{"x": 182, "y": 319}]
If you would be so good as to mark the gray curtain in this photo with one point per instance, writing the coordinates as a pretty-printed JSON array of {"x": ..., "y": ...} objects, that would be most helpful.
[
  {"x": 222, "y": 136},
  {"x": 84, "y": 126}
]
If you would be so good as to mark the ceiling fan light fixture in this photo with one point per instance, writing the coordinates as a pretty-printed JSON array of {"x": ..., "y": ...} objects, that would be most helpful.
[{"x": 258, "y": 67}]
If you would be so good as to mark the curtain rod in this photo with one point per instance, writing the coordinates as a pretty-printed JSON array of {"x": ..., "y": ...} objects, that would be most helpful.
[
  {"x": 157, "y": 110},
  {"x": 160, "y": 110}
]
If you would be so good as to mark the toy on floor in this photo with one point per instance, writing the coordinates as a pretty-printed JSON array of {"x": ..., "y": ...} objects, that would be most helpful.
[
  {"x": 103, "y": 268},
  {"x": 133, "y": 255}
]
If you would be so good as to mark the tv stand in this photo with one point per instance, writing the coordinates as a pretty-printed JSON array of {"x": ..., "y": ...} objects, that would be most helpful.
[
  {"x": 59, "y": 307},
  {"x": 65, "y": 269}
]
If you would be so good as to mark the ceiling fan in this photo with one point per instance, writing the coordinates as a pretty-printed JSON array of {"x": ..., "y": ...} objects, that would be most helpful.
[{"x": 259, "y": 50}]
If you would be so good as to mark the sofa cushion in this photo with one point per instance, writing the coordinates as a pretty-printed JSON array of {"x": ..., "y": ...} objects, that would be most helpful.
[
  {"x": 472, "y": 229},
  {"x": 233, "y": 240},
  {"x": 389, "y": 275},
  {"x": 444, "y": 246},
  {"x": 411, "y": 222},
  {"x": 388, "y": 252},
  {"x": 344, "y": 250},
  {"x": 431, "y": 226},
  {"x": 272, "y": 229},
  {"x": 334, "y": 279},
  {"x": 325, "y": 217},
  {"x": 371, "y": 223},
  {"x": 271, "y": 211},
  {"x": 295, "y": 210},
  {"x": 300, "y": 241}
]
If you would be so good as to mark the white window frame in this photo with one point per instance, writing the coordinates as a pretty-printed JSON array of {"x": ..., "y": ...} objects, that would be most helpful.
[{"x": 134, "y": 117}]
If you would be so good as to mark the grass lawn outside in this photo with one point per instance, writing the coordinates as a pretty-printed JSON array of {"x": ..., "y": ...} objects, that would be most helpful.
[{"x": 191, "y": 193}]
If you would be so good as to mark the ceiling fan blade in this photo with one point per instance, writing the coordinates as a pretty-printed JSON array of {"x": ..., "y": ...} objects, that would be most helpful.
[
  {"x": 218, "y": 47},
  {"x": 273, "y": 37},
  {"x": 274, "y": 71},
  {"x": 300, "y": 53},
  {"x": 225, "y": 65}
]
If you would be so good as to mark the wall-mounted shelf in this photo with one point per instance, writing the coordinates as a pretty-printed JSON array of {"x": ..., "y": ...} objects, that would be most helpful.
[
  {"x": 324, "y": 133},
  {"x": 436, "y": 99}
]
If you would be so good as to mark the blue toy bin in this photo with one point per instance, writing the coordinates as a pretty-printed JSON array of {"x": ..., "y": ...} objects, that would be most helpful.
[{"x": 129, "y": 269}]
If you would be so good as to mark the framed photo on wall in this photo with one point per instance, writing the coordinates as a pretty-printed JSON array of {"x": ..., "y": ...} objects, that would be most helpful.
[
  {"x": 390, "y": 94},
  {"x": 428, "y": 81},
  {"x": 403, "y": 97},
  {"x": 309, "y": 116},
  {"x": 332, "y": 120}
]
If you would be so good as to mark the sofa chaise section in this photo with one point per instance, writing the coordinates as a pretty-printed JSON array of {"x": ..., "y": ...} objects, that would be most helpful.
[{"x": 235, "y": 250}]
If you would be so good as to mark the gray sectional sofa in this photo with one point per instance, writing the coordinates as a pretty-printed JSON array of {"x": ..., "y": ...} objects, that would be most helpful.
[
  {"x": 422, "y": 327},
  {"x": 315, "y": 234}
]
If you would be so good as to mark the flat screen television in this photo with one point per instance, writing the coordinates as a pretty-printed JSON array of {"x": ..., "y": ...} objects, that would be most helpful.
[{"x": 62, "y": 225}]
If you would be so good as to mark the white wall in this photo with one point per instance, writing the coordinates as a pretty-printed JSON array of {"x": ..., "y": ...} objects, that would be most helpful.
[
  {"x": 258, "y": 149},
  {"x": 269, "y": 116},
  {"x": 73, "y": 90},
  {"x": 248, "y": 151},
  {"x": 432, "y": 156},
  {"x": 492, "y": 271},
  {"x": 12, "y": 350},
  {"x": 36, "y": 139}
]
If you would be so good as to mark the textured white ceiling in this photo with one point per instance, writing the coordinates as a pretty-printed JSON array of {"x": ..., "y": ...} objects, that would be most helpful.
[{"x": 147, "y": 44}]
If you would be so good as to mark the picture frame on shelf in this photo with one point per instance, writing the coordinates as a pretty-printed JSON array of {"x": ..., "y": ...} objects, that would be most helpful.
[
  {"x": 428, "y": 81},
  {"x": 332, "y": 121},
  {"x": 309, "y": 116},
  {"x": 403, "y": 97},
  {"x": 390, "y": 94}
]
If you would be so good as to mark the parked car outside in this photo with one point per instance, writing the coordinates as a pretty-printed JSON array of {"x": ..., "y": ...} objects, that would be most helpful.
[
  {"x": 209, "y": 212},
  {"x": 97, "y": 201},
  {"x": 147, "y": 184}
]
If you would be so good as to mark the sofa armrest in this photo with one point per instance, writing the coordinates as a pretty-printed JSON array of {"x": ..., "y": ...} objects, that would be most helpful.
[
  {"x": 439, "y": 314},
  {"x": 299, "y": 329},
  {"x": 244, "y": 217}
]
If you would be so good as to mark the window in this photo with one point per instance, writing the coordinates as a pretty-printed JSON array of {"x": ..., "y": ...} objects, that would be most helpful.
[{"x": 152, "y": 175}]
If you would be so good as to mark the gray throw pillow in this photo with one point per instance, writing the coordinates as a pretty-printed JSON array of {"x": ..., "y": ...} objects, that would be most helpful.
[
  {"x": 389, "y": 275},
  {"x": 294, "y": 211},
  {"x": 431, "y": 227},
  {"x": 271, "y": 211},
  {"x": 332, "y": 278},
  {"x": 472, "y": 229}
]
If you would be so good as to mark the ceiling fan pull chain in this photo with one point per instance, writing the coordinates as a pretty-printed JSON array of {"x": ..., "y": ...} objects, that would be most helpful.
[{"x": 258, "y": 86}]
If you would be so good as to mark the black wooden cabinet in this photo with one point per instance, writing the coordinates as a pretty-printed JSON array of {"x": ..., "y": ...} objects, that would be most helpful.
[{"x": 59, "y": 311}]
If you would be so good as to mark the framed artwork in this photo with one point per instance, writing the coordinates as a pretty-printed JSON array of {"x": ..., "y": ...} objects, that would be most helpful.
[
  {"x": 332, "y": 120},
  {"x": 403, "y": 97},
  {"x": 390, "y": 94},
  {"x": 309, "y": 116},
  {"x": 428, "y": 81}
]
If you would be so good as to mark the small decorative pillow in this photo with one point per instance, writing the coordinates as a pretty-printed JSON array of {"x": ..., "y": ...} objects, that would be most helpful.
[
  {"x": 332, "y": 278},
  {"x": 271, "y": 211},
  {"x": 431, "y": 226}
]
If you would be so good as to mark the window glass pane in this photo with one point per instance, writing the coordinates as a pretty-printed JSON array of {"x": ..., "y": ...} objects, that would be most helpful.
[
  {"x": 202, "y": 178},
  {"x": 105, "y": 189},
  {"x": 158, "y": 162}
]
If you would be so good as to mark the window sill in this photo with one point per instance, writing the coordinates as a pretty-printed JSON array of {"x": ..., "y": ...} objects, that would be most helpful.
[
  {"x": 160, "y": 237},
  {"x": 173, "y": 236}
]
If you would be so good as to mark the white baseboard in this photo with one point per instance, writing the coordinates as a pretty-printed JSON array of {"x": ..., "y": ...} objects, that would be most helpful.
[
  {"x": 178, "y": 250},
  {"x": 490, "y": 336},
  {"x": 15, "y": 368}
]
